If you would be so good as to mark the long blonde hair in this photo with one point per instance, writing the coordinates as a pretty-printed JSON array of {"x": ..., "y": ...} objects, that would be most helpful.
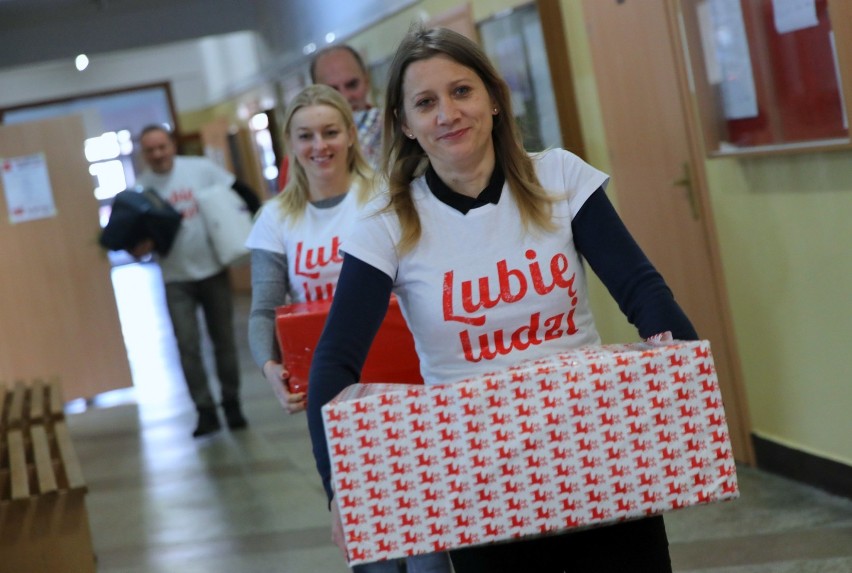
[
  {"x": 403, "y": 159},
  {"x": 295, "y": 195}
]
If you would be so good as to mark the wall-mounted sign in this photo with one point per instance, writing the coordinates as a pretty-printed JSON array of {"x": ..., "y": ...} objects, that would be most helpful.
[{"x": 27, "y": 187}]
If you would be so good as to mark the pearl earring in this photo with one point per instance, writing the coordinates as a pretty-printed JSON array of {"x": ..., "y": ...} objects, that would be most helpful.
[
  {"x": 495, "y": 111},
  {"x": 410, "y": 135}
]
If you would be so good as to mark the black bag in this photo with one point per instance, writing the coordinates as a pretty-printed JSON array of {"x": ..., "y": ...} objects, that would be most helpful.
[{"x": 139, "y": 215}]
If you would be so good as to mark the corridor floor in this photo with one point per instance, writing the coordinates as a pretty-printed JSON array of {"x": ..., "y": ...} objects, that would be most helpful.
[{"x": 250, "y": 502}]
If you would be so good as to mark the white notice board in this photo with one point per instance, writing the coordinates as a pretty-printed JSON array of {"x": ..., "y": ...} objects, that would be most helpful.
[{"x": 27, "y": 186}]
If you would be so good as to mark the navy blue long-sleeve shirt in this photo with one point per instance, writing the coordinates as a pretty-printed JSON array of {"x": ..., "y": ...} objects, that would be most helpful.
[{"x": 363, "y": 292}]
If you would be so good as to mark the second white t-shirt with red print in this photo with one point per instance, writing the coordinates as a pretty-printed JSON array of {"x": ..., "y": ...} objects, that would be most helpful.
[
  {"x": 311, "y": 244},
  {"x": 192, "y": 257},
  {"x": 480, "y": 292}
]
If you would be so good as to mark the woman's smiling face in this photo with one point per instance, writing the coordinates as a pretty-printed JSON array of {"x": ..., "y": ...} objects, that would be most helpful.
[
  {"x": 449, "y": 111},
  {"x": 320, "y": 142}
]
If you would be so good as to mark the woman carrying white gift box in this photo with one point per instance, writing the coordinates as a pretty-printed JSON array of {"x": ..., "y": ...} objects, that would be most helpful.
[{"x": 483, "y": 245}]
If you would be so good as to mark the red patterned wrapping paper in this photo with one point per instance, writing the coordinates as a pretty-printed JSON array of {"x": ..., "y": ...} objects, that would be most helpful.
[{"x": 587, "y": 437}]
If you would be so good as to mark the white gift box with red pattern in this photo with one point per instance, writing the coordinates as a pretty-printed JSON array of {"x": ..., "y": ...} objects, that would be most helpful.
[{"x": 586, "y": 437}]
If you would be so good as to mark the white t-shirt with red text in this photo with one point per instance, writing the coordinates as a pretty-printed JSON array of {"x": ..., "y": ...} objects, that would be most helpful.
[
  {"x": 311, "y": 244},
  {"x": 191, "y": 257},
  {"x": 478, "y": 291}
]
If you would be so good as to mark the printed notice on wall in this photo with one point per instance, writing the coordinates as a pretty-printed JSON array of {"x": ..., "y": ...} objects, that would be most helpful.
[
  {"x": 792, "y": 15},
  {"x": 739, "y": 96},
  {"x": 27, "y": 186}
]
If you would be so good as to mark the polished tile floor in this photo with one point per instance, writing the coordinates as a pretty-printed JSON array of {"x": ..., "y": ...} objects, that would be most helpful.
[{"x": 250, "y": 502}]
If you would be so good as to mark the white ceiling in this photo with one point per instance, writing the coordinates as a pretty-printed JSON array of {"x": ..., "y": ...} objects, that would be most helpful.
[{"x": 36, "y": 31}]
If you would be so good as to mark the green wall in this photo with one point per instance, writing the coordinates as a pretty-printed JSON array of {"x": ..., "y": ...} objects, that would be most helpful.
[
  {"x": 785, "y": 235},
  {"x": 786, "y": 242}
]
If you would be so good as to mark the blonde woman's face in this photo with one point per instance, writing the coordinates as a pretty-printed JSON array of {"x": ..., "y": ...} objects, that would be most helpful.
[
  {"x": 321, "y": 142},
  {"x": 448, "y": 110}
]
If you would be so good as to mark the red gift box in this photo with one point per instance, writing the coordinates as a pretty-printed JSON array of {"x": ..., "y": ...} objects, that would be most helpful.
[
  {"x": 592, "y": 436},
  {"x": 392, "y": 356}
]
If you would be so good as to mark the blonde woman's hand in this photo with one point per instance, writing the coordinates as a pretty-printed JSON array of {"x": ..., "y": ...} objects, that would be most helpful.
[{"x": 277, "y": 376}]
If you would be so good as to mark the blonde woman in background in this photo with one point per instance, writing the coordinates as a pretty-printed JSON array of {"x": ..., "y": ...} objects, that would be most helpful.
[
  {"x": 295, "y": 243},
  {"x": 295, "y": 240}
]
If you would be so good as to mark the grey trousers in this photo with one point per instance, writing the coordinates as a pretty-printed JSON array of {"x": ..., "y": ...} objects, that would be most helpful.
[
  {"x": 213, "y": 295},
  {"x": 428, "y": 563}
]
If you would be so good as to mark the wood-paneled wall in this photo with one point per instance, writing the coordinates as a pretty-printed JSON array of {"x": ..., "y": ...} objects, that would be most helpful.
[{"x": 58, "y": 316}]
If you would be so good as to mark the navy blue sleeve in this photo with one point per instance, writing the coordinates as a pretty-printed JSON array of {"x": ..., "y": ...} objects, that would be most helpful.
[
  {"x": 640, "y": 291},
  {"x": 359, "y": 306}
]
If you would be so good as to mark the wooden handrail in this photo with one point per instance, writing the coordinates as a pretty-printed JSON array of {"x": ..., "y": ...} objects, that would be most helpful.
[
  {"x": 44, "y": 465},
  {"x": 18, "y": 465},
  {"x": 69, "y": 459},
  {"x": 31, "y": 417},
  {"x": 36, "y": 401},
  {"x": 3, "y": 394},
  {"x": 16, "y": 407},
  {"x": 56, "y": 404},
  {"x": 43, "y": 518}
]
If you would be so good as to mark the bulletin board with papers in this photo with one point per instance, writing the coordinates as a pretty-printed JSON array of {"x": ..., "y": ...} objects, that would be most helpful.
[{"x": 768, "y": 74}]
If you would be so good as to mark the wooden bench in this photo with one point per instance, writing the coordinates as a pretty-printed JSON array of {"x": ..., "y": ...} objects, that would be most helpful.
[{"x": 44, "y": 525}]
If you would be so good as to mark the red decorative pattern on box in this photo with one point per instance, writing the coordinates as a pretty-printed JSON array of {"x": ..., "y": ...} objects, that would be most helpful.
[{"x": 592, "y": 436}]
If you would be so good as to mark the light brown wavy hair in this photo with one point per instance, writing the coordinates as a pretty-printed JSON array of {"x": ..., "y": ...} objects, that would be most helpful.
[
  {"x": 403, "y": 159},
  {"x": 294, "y": 196}
]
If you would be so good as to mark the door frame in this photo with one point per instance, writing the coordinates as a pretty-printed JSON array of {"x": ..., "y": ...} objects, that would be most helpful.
[
  {"x": 701, "y": 189},
  {"x": 677, "y": 154}
]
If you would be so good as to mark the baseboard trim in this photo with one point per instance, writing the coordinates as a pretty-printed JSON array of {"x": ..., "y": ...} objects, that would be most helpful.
[{"x": 833, "y": 477}]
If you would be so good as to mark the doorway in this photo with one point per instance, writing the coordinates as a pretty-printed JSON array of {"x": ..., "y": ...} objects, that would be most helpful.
[{"x": 658, "y": 177}]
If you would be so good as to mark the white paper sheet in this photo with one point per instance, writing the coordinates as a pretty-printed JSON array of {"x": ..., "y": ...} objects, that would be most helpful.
[
  {"x": 27, "y": 187},
  {"x": 739, "y": 96},
  {"x": 792, "y": 15}
]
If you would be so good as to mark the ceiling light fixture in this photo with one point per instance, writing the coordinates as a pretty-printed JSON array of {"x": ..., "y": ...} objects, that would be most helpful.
[{"x": 81, "y": 62}]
